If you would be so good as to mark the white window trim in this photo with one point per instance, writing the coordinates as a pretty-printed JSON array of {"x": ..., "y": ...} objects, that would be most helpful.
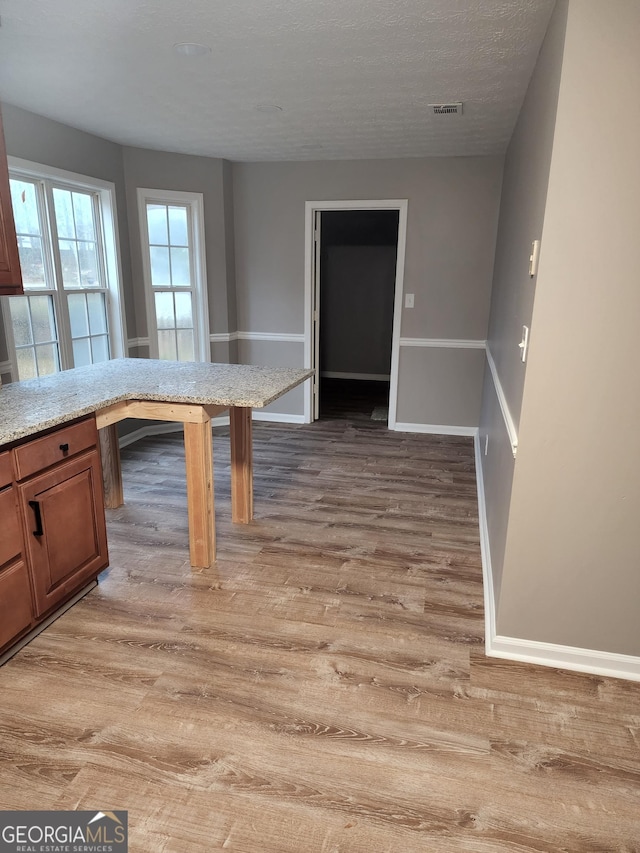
[
  {"x": 201, "y": 310},
  {"x": 109, "y": 225}
]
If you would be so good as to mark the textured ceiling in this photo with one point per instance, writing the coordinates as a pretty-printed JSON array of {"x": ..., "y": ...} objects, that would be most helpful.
[{"x": 353, "y": 77}]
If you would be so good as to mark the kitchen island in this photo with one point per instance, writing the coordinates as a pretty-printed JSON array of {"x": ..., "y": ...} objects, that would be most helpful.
[{"x": 190, "y": 393}]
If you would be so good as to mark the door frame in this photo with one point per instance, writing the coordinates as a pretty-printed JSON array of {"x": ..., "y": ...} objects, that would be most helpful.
[{"x": 310, "y": 297}]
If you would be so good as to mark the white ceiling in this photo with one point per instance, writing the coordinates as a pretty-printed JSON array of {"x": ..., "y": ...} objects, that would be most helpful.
[{"x": 353, "y": 77}]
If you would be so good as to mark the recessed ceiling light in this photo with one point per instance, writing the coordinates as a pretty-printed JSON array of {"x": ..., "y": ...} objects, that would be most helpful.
[
  {"x": 268, "y": 108},
  {"x": 191, "y": 48}
]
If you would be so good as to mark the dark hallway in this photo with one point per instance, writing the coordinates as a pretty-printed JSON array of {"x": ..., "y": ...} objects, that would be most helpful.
[{"x": 354, "y": 399}]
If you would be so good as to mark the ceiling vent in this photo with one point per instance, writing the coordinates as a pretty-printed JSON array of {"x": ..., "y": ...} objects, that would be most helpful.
[{"x": 446, "y": 109}]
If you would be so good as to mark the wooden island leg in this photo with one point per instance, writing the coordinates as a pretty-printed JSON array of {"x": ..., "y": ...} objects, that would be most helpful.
[
  {"x": 199, "y": 463},
  {"x": 241, "y": 465},
  {"x": 111, "y": 470}
]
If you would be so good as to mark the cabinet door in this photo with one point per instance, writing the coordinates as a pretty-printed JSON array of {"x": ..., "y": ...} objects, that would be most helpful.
[
  {"x": 65, "y": 530},
  {"x": 15, "y": 590},
  {"x": 10, "y": 530},
  {"x": 10, "y": 274},
  {"x": 15, "y": 603}
]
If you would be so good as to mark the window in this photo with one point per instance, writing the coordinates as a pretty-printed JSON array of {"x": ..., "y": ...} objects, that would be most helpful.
[
  {"x": 70, "y": 314},
  {"x": 171, "y": 230}
]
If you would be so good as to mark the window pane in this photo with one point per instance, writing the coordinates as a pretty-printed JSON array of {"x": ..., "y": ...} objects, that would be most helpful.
[
  {"x": 180, "y": 275},
  {"x": 83, "y": 212},
  {"x": 47, "y": 359},
  {"x": 157, "y": 224},
  {"x": 31, "y": 261},
  {"x": 88, "y": 258},
  {"x": 167, "y": 345},
  {"x": 74, "y": 262},
  {"x": 173, "y": 278},
  {"x": 42, "y": 319},
  {"x": 96, "y": 303},
  {"x": 186, "y": 345},
  {"x": 64, "y": 213},
  {"x": 160, "y": 275},
  {"x": 81, "y": 352},
  {"x": 20, "y": 321},
  {"x": 78, "y": 319},
  {"x": 178, "y": 232},
  {"x": 69, "y": 263},
  {"x": 184, "y": 318},
  {"x": 100, "y": 348},
  {"x": 26, "y": 361},
  {"x": 25, "y": 207},
  {"x": 165, "y": 317}
]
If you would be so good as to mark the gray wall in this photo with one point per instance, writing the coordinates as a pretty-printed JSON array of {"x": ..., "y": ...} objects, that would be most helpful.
[
  {"x": 276, "y": 354},
  {"x": 184, "y": 172},
  {"x": 356, "y": 309},
  {"x": 452, "y": 221},
  {"x": 41, "y": 140},
  {"x": 522, "y": 206},
  {"x": 440, "y": 387},
  {"x": 572, "y": 558}
]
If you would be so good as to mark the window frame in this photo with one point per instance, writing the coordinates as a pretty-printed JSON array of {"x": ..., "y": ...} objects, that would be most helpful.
[
  {"x": 108, "y": 236},
  {"x": 195, "y": 205}
]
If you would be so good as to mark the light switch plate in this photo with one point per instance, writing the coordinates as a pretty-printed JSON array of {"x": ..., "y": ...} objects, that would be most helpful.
[
  {"x": 409, "y": 300},
  {"x": 524, "y": 343},
  {"x": 533, "y": 259}
]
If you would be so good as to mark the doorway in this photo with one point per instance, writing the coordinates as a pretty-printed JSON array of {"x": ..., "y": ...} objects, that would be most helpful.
[
  {"x": 353, "y": 293},
  {"x": 358, "y": 250}
]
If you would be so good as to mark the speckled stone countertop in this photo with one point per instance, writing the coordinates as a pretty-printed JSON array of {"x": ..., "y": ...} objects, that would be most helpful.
[{"x": 39, "y": 404}]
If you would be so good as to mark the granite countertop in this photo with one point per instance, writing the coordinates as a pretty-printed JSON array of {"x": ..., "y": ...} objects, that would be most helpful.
[{"x": 38, "y": 404}]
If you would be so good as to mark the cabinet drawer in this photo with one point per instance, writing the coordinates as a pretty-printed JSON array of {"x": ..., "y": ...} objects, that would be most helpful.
[
  {"x": 43, "y": 452},
  {"x": 10, "y": 530},
  {"x": 15, "y": 603},
  {"x": 6, "y": 472}
]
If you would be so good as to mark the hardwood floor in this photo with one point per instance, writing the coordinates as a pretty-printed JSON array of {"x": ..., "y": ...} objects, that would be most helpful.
[{"x": 322, "y": 688}]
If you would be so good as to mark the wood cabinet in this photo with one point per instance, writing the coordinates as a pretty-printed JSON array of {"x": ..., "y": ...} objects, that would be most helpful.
[
  {"x": 66, "y": 537},
  {"x": 53, "y": 537},
  {"x": 16, "y": 615},
  {"x": 10, "y": 274}
]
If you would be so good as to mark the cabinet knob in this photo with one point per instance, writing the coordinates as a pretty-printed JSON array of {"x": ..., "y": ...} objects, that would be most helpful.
[{"x": 64, "y": 448}]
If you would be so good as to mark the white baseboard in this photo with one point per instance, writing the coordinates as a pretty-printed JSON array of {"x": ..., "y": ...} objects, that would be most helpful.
[
  {"x": 566, "y": 657},
  {"x": 146, "y": 431},
  {"x": 557, "y": 656},
  {"x": 277, "y": 417},
  {"x": 436, "y": 429},
  {"x": 485, "y": 552},
  {"x": 369, "y": 377}
]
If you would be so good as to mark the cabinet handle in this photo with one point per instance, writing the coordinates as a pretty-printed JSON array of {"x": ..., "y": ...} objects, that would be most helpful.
[
  {"x": 35, "y": 506},
  {"x": 64, "y": 448}
]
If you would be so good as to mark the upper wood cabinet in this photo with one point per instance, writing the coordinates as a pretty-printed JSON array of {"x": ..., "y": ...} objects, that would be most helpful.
[{"x": 10, "y": 274}]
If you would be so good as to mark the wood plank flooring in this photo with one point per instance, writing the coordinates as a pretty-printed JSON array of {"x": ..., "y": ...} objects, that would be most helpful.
[{"x": 322, "y": 688}]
